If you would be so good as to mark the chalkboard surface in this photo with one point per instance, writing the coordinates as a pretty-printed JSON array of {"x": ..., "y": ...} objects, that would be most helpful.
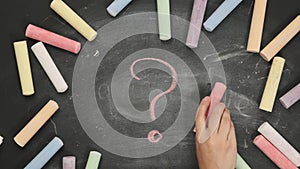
[{"x": 245, "y": 76}]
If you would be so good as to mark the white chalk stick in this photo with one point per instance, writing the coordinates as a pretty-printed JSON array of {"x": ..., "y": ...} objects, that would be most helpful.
[
  {"x": 49, "y": 66},
  {"x": 281, "y": 39},
  {"x": 36, "y": 123},
  {"x": 257, "y": 25},
  {"x": 220, "y": 14},
  {"x": 1, "y": 140},
  {"x": 22, "y": 57},
  {"x": 117, "y": 6},
  {"x": 269, "y": 95},
  {"x": 291, "y": 97},
  {"x": 280, "y": 143},
  {"x": 73, "y": 19}
]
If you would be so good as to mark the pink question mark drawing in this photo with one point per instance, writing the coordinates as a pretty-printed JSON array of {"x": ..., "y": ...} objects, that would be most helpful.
[{"x": 153, "y": 133}]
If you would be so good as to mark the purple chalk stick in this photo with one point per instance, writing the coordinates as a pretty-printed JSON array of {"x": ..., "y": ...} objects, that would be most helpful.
[
  {"x": 291, "y": 97},
  {"x": 196, "y": 23}
]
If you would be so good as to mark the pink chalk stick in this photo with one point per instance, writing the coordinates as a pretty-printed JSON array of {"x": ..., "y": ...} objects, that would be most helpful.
[
  {"x": 216, "y": 96},
  {"x": 69, "y": 162},
  {"x": 53, "y": 39},
  {"x": 275, "y": 155},
  {"x": 291, "y": 97},
  {"x": 196, "y": 23},
  {"x": 280, "y": 143}
]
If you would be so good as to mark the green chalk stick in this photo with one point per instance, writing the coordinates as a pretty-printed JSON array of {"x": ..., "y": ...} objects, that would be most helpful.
[
  {"x": 164, "y": 21},
  {"x": 93, "y": 160},
  {"x": 241, "y": 163}
]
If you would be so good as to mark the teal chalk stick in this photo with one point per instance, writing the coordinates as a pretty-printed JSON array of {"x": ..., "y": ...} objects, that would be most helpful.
[
  {"x": 241, "y": 163},
  {"x": 117, "y": 6},
  {"x": 164, "y": 20},
  {"x": 220, "y": 14},
  {"x": 93, "y": 160},
  {"x": 46, "y": 154}
]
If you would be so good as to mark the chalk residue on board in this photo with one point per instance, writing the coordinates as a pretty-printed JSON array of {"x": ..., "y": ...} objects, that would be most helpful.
[{"x": 239, "y": 102}]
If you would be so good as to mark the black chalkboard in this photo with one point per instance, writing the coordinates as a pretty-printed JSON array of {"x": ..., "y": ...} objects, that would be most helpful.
[{"x": 245, "y": 75}]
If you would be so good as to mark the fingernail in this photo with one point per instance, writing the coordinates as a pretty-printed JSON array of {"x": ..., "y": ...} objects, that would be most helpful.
[{"x": 206, "y": 99}]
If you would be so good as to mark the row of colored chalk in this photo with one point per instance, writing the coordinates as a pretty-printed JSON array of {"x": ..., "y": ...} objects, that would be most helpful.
[
  {"x": 271, "y": 87},
  {"x": 51, "y": 38},
  {"x": 163, "y": 11},
  {"x": 92, "y": 162},
  {"x": 44, "y": 59},
  {"x": 256, "y": 31},
  {"x": 41, "y": 159},
  {"x": 276, "y": 147}
]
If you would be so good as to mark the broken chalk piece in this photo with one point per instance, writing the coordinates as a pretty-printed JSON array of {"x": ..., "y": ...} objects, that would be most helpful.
[
  {"x": 275, "y": 155},
  {"x": 196, "y": 23},
  {"x": 279, "y": 142},
  {"x": 220, "y": 14},
  {"x": 164, "y": 20},
  {"x": 69, "y": 162},
  {"x": 268, "y": 97},
  {"x": 73, "y": 19},
  {"x": 291, "y": 97},
  {"x": 93, "y": 160},
  {"x": 22, "y": 57},
  {"x": 49, "y": 66},
  {"x": 216, "y": 96},
  {"x": 257, "y": 25},
  {"x": 46, "y": 154},
  {"x": 53, "y": 39},
  {"x": 281, "y": 39},
  {"x": 117, "y": 6},
  {"x": 1, "y": 140},
  {"x": 241, "y": 163},
  {"x": 215, "y": 112},
  {"x": 36, "y": 123}
]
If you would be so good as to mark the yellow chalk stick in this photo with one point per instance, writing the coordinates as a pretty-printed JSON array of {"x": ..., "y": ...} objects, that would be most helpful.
[
  {"x": 281, "y": 39},
  {"x": 73, "y": 19},
  {"x": 22, "y": 57},
  {"x": 272, "y": 84},
  {"x": 257, "y": 24},
  {"x": 36, "y": 123}
]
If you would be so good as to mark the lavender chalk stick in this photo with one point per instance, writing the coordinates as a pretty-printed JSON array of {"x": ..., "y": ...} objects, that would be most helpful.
[
  {"x": 196, "y": 23},
  {"x": 117, "y": 6},
  {"x": 291, "y": 97},
  {"x": 46, "y": 154},
  {"x": 69, "y": 162},
  {"x": 220, "y": 14}
]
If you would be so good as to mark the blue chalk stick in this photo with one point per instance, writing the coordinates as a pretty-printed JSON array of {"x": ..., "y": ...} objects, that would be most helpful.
[
  {"x": 46, "y": 154},
  {"x": 220, "y": 14},
  {"x": 117, "y": 6}
]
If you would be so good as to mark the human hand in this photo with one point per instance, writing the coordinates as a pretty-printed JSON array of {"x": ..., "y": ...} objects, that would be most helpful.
[{"x": 220, "y": 150}]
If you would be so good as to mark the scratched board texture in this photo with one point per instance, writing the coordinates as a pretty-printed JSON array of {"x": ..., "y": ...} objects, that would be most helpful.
[{"x": 246, "y": 75}]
